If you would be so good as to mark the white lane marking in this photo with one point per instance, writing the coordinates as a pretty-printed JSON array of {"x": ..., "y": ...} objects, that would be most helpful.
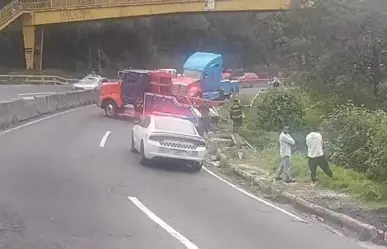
[
  {"x": 38, "y": 93},
  {"x": 104, "y": 139},
  {"x": 40, "y": 120},
  {"x": 188, "y": 244},
  {"x": 254, "y": 197}
]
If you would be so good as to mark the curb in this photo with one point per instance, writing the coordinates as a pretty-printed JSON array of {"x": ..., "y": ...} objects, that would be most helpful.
[{"x": 365, "y": 231}]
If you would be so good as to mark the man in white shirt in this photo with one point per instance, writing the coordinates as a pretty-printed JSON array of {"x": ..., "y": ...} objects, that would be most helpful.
[
  {"x": 316, "y": 155},
  {"x": 286, "y": 141}
]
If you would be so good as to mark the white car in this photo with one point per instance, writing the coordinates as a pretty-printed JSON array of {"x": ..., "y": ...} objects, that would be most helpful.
[
  {"x": 166, "y": 137},
  {"x": 90, "y": 82}
]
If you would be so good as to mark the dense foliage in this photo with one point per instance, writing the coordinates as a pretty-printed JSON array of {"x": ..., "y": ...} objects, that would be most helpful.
[
  {"x": 357, "y": 140},
  {"x": 277, "y": 108},
  {"x": 338, "y": 49}
]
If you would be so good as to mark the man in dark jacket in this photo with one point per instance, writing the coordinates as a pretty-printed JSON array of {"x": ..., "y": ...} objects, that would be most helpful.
[
  {"x": 236, "y": 115},
  {"x": 205, "y": 120},
  {"x": 276, "y": 83}
]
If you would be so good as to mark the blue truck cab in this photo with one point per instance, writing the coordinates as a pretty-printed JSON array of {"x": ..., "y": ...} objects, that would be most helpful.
[{"x": 207, "y": 67}]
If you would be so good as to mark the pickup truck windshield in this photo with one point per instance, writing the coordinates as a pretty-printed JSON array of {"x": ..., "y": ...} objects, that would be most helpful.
[{"x": 193, "y": 74}]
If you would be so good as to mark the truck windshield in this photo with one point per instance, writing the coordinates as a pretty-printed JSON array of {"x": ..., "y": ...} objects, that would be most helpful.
[{"x": 193, "y": 74}]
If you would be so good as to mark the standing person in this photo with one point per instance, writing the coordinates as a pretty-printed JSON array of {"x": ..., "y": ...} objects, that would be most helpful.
[
  {"x": 138, "y": 108},
  {"x": 316, "y": 155},
  {"x": 276, "y": 83},
  {"x": 205, "y": 119},
  {"x": 286, "y": 141},
  {"x": 236, "y": 115}
]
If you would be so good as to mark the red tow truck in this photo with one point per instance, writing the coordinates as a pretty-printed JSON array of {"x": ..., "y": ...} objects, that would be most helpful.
[{"x": 140, "y": 92}]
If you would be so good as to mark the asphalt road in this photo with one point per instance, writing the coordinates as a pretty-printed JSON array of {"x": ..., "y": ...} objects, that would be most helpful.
[
  {"x": 8, "y": 92},
  {"x": 70, "y": 181}
]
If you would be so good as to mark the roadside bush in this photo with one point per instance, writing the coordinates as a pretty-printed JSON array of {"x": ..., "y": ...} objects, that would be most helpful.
[
  {"x": 357, "y": 140},
  {"x": 377, "y": 161},
  {"x": 276, "y": 108}
]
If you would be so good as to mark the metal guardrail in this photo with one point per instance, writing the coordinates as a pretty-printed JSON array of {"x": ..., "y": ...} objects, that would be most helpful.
[
  {"x": 57, "y": 80},
  {"x": 72, "y": 4},
  {"x": 35, "y": 79}
]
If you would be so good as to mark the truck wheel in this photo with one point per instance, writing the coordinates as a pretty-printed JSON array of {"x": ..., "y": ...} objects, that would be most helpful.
[
  {"x": 110, "y": 109},
  {"x": 196, "y": 166},
  {"x": 229, "y": 96},
  {"x": 221, "y": 95},
  {"x": 232, "y": 93}
]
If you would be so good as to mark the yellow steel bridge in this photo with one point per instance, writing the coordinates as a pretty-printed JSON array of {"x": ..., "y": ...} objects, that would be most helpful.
[{"x": 36, "y": 13}]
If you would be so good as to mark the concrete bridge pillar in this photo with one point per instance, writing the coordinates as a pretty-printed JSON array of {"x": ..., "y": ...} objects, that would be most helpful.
[
  {"x": 38, "y": 54},
  {"x": 33, "y": 44},
  {"x": 29, "y": 46}
]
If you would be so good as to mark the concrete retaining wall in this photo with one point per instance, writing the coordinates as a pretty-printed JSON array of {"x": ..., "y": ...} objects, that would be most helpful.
[{"x": 19, "y": 110}]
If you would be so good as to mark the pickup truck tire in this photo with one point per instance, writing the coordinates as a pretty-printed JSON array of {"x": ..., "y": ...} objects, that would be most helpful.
[{"x": 110, "y": 109}]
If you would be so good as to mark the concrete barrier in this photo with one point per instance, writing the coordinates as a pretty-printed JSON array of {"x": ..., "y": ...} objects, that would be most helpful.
[
  {"x": 6, "y": 115},
  {"x": 74, "y": 98},
  {"x": 52, "y": 102},
  {"x": 24, "y": 109},
  {"x": 61, "y": 98},
  {"x": 41, "y": 104},
  {"x": 20, "y": 110},
  {"x": 88, "y": 98}
]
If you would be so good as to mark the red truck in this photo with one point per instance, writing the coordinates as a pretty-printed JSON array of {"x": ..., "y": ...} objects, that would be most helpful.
[{"x": 138, "y": 92}]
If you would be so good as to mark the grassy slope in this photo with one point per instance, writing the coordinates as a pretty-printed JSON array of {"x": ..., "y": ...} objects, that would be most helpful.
[{"x": 346, "y": 180}]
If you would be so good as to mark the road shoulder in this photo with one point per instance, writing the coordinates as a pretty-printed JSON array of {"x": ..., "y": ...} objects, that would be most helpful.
[{"x": 233, "y": 158}]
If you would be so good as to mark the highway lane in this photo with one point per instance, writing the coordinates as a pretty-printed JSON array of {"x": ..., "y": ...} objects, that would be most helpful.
[
  {"x": 65, "y": 183},
  {"x": 8, "y": 92}
]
